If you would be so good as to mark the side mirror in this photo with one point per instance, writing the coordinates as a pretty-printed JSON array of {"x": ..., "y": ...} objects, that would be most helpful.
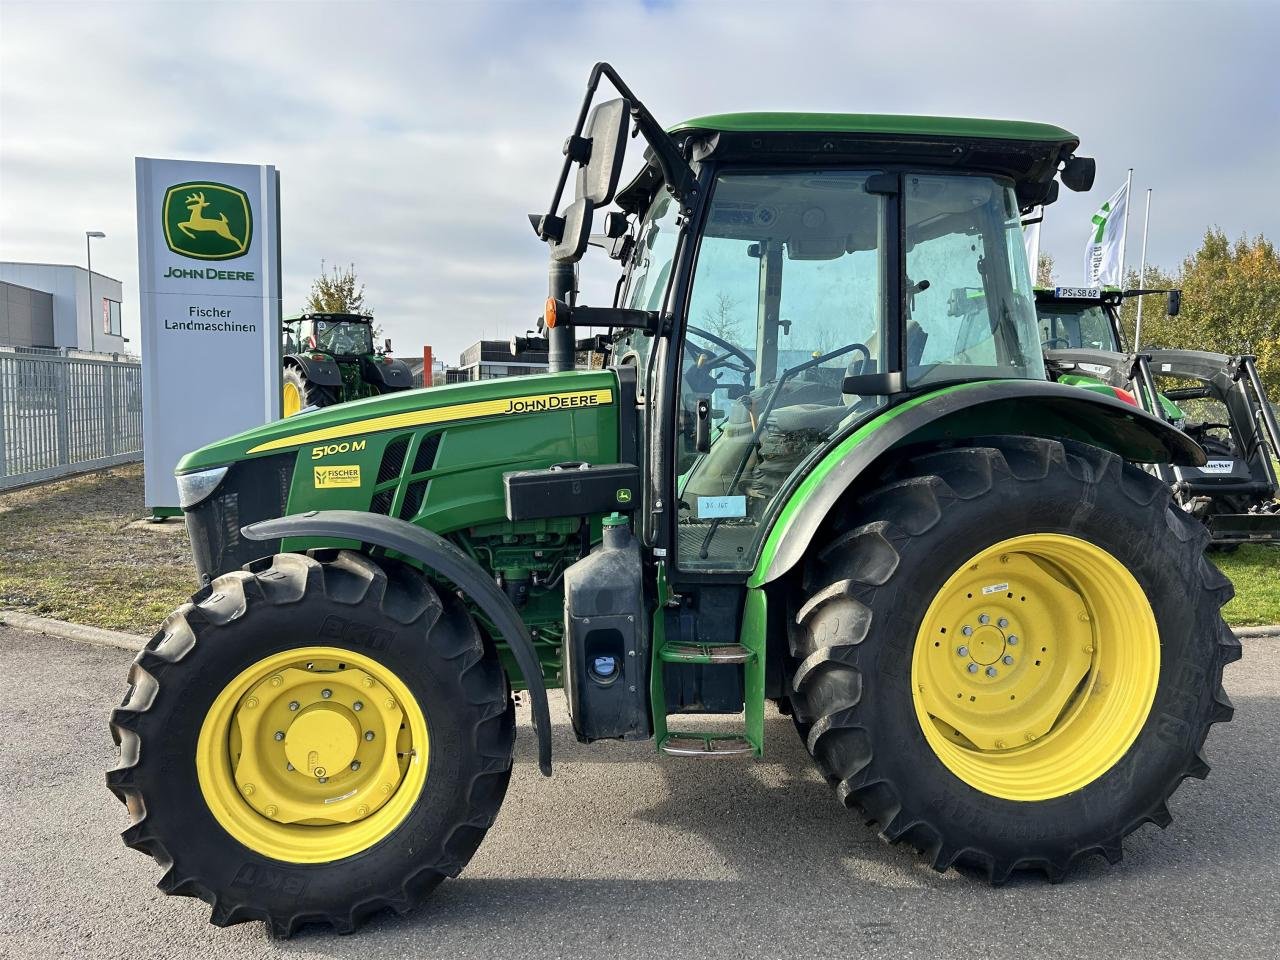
[
  {"x": 388, "y": 344},
  {"x": 1078, "y": 173},
  {"x": 571, "y": 231},
  {"x": 1174, "y": 305},
  {"x": 606, "y": 146},
  {"x": 1031, "y": 195}
]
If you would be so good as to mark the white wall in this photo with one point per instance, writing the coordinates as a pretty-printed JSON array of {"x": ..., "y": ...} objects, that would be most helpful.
[{"x": 75, "y": 325}]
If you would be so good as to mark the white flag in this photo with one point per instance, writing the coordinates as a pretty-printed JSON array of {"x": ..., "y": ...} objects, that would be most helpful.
[{"x": 1105, "y": 249}]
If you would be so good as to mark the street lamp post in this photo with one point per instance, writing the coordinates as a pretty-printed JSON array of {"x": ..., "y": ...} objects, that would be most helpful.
[{"x": 90, "y": 235}]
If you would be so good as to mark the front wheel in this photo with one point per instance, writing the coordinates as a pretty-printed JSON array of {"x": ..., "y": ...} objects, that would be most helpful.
[
  {"x": 1011, "y": 654},
  {"x": 313, "y": 739}
]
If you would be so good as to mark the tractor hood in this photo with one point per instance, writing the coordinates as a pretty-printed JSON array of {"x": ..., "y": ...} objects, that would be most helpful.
[{"x": 456, "y": 403}]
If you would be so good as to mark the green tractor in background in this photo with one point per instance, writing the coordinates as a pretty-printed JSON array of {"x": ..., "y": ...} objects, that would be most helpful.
[
  {"x": 1217, "y": 399},
  {"x": 855, "y": 497},
  {"x": 330, "y": 358}
]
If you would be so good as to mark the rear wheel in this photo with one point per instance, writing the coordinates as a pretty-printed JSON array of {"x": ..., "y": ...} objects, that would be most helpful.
[
  {"x": 1010, "y": 654},
  {"x": 297, "y": 392},
  {"x": 313, "y": 739}
]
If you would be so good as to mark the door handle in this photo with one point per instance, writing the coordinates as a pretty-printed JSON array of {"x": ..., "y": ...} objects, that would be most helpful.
[{"x": 702, "y": 425}]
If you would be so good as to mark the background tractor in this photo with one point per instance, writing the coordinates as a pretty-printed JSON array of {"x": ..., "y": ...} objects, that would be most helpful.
[
  {"x": 819, "y": 472},
  {"x": 1215, "y": 398},
  {"x": 330, "y": 358}
]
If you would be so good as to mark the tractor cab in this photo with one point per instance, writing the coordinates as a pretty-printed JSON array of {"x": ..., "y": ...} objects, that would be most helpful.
[
  {"x": 1079, "y": 318},
  {"x": 789, "y": 276},
  {"x": 342, "y": 335}
]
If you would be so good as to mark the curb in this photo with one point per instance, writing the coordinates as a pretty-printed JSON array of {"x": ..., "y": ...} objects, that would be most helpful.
[
  {"x": 72, "y": 631},
  {"x": 1244, "y": 633},
  {"x": 133, "y": 643}
]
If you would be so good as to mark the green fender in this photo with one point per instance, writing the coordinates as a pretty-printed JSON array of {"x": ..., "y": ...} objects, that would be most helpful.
[{"x": 1033, "y": 408}]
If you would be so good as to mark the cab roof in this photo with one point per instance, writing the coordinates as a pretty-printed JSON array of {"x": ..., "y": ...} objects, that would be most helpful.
[
  {"x": 1027, "y": 153},
  {"x": 893, "y": 125},
  {"x": 335, "y": 317}
]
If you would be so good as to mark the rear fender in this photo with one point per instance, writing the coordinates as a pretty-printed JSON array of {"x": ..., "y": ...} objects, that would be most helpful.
[
  {"x": 323, "y": 373},
  {"x": 392, "y": 375},
  {"x": 1029, "y": 408}
]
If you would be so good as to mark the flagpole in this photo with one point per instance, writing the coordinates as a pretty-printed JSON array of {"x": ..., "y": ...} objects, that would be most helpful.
[
  {"x": 1142, "y": 274},
  {"x": 1124, "y": 230}
]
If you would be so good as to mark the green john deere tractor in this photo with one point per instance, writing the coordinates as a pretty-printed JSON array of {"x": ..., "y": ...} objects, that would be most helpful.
[
  {"x": 330, "y": 358},
  {"x": 807, "y": 478},
  {"x": 1217, "y": 399}
]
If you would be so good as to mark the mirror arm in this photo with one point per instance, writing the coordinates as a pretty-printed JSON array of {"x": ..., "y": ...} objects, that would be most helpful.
[
  {"x": 675, "y": 169},
  {"x": 615, "y": 317}
]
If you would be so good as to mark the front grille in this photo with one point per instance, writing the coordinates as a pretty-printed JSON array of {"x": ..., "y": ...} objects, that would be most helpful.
[
  {"x": 413, "y": 498},
  {"x": 392, "y": 459},
  {"x": 426, "y": 456},
  {"x": 252, "y": 490}
]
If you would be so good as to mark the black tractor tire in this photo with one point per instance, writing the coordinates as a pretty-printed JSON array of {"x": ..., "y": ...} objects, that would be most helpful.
[
  {"x": 309, "y": 394},
  {"x": 865, "y": 590},
  {"x": 426, "y": 638}
]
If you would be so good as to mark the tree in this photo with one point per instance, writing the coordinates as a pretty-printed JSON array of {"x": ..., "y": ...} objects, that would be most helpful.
[
  {"x": 1231, "y": 295},
  {"x": 1044, "y": 270},
  {"x": 1230, "y": 302},
  {"x": 719, "y": 319},
  {"x": 337, "y": 292}
]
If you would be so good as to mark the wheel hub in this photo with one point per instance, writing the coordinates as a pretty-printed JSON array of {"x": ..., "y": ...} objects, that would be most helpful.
[
  {"x": 322, "y": 739},
  {"x": 987, "y": 646},
  {"x": 993, "y": 694},
  {"x": 313, "y": 754},
  {"x": 1035, "y": 665},
  {"x": 318, "y": 743}
]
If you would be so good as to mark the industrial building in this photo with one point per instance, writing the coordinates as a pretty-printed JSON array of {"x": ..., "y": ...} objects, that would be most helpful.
[
  {"x": 53, "y": 305},
  {"x": 488, "y": 359}
]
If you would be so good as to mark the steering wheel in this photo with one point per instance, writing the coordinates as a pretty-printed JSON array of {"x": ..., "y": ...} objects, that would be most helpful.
[
  {"x": 748, "y": 365},
  {"x": 1048, "y": 344}
]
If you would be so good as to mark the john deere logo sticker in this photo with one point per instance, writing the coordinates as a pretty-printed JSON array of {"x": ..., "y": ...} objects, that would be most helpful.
[
  {"x": 327, "y": 478},
  {"x": 207, "y": 221}
]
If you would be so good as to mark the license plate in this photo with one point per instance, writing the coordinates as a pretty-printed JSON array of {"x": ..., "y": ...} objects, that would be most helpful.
[{"x": 1078, "y": 293}]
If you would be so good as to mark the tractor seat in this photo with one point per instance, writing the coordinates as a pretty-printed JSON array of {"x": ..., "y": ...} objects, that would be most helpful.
[{"x": 806, "y": 416}]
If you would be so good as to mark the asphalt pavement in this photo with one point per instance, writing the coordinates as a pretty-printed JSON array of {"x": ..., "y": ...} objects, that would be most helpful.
[{"x": 623, "y": 854}]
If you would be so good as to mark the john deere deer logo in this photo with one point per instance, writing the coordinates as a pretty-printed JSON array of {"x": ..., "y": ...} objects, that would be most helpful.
[{"x": 207, "y": 221}]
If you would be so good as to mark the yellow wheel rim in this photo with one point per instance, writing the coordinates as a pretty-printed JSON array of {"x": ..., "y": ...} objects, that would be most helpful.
[
  {"x": 292, "y": 400},
  {"x": 1035, "y": 667},
  {"x": 312, "y": 755}
]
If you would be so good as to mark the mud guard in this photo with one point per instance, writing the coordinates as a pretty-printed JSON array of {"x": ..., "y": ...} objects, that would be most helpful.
[
  {"x": 1032, "y": 408},
  {"x": 439, "y": 556},
  {"x": 323, "y": 373},
  {"x": 395, "y": 375}
]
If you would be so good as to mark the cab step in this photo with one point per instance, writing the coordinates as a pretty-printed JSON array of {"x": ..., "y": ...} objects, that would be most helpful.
[
  {"x": 707, "y": 747},
  {"x": 708, "y": 653}
]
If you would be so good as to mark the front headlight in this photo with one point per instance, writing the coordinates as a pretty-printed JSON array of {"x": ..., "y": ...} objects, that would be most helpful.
[{"x": 194, "y": 487}]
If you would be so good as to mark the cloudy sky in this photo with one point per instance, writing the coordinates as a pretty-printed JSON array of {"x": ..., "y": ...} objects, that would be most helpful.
[{"x": 413, "y": 138}]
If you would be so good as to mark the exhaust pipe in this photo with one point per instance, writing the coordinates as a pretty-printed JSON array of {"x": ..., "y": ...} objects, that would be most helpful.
[{"x": 561, "y": 279}]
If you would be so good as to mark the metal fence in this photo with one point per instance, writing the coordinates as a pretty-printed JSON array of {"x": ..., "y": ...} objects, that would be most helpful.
[{"x": 62, "y": 414}]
